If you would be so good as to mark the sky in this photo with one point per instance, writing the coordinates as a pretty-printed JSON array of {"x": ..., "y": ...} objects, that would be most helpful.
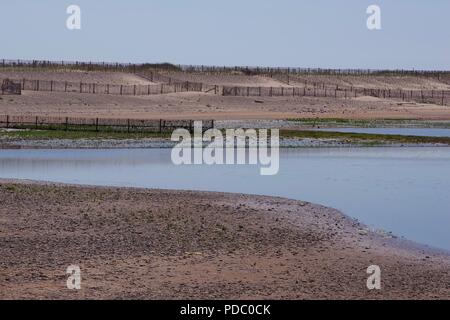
[{"x": 415, "y": 34}]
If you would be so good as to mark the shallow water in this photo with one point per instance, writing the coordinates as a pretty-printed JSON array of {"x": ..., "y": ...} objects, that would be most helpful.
[
  {"x": 404, "y": 190},
  {"x": 421, "y": 132}
]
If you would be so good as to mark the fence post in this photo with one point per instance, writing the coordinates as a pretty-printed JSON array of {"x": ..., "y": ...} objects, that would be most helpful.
[
  {"x": 96, "y": 124},
  {"x": 67, "y": 123},
  {"x": 37, "y": 83},
  {"x": 107, "y": 88},
  {"x": 7, "y": 121},
  {"x": 81, "y": 87},
  {"x": 442, "y": 97},
  {"x": 51, "y": 85},
  {"x": 121, "y": 89},
  {"x": 128, "y": 125},
  {"x": 36, "y": 122},
  {"x": 65, "y": 86},
  {"x": 134, "y": 90},
  {"x": 160, "y": 125}
]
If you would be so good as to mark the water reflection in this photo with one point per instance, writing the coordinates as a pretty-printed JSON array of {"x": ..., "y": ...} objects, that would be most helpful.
[
  {"x": 421, "y": 132},
  {"x": 404, "y": 190}
]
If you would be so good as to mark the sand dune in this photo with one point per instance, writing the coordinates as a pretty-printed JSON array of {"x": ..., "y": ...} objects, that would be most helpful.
[
  {"x": 374, "y": 82},
  {"x": 228, "y": 79},
  {"x": 77, "y": 76}
]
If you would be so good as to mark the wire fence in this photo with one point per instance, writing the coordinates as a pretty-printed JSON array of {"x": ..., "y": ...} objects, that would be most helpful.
[{"x": 98, "y": 124}]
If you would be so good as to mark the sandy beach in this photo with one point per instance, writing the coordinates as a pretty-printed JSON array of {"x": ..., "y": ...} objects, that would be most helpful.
[
  {"x": 207, "y": 105},
  {"x": 156, "y": 244}
]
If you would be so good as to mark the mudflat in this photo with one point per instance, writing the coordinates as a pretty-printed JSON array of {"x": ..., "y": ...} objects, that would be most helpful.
[{"x": 159, "y": 244}]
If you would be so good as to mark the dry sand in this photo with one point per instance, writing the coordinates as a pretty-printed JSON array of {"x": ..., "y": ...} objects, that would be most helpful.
[
  {"x": 98, "y": 77},
  {"x": 154, "y": 244},
  {"x": 375, "y": 82},
  {"x": 192, "y": 105},
  {"x": 228, "y": 79}
]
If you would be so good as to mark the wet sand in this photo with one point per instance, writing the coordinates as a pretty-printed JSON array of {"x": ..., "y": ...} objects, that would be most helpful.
[{"x": 156, "y": 244}]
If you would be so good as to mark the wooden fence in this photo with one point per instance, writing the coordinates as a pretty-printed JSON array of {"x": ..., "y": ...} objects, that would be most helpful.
[
  {"x": 9, "y": 87},
  {"x": 96, "y": 88},
  {"x": 83, "y": 65},
  {"x": 97, "y": 124},
  {"x": 441, "y": 97},
  {"x": 250, "y": 70}
]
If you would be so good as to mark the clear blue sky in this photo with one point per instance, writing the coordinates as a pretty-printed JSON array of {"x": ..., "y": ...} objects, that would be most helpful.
[{"x": 309, "y": 33}]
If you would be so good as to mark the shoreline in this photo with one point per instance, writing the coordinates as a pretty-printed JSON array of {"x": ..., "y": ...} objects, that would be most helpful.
[
  {"x": 165, "y": 143},
  {"x": 150, "y": 244}
]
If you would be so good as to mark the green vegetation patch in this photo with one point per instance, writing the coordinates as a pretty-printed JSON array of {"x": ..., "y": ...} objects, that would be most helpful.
[
  {"x": 76, "y": 135},
  {"x": 363, "y": 137},
  {"x": 380, "y": 123}
]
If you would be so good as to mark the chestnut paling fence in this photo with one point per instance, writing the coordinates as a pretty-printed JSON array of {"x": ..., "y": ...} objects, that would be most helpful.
[
  {"x": 256, "y": 70},
  {"x": 172, "y": 85},
  {"x": 98, "y": 124},
  {"x": 441, "y": 97},
  {"x": 166, "y": 84},
  {"x": 114, "y": 89}
]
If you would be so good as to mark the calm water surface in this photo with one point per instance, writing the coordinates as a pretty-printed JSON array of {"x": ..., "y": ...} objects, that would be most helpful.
[
  {"x": 422, "y": 132},
  {"x": 404, "y": 190}
]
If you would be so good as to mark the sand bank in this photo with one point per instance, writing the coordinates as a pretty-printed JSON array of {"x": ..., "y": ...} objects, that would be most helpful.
[{"x": 155, "y": 244}]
